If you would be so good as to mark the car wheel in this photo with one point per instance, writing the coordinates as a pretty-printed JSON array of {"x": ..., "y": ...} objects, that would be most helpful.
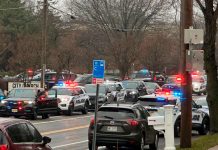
[
  {"x": 85, "y": 108},
  {"x": 70, "y": 111},
  {"x": 45, "y": 116},
  {"x": 204, "y": 127},
  {"x": 177, "y": 128},
  {"x": 205, "y": 93},
  {"x": 34, "y": 116},
  {"x": 154, "y": 145},
  {"x": 141, "y": 145},
  {"x": 90, "y": 147}
]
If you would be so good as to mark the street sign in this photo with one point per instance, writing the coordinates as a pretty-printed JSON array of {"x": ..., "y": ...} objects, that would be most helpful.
[
  {"x": 12, "y": 85},
  {"x": 97, "y": 80},
  {"x": 98, "y": 69},
  {"x": 194, "y": 36}
]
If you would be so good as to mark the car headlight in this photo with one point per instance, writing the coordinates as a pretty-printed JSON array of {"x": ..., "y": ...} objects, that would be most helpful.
[
  {"x": 3, "y": 101},
  {"x": 132, "y": 93}
]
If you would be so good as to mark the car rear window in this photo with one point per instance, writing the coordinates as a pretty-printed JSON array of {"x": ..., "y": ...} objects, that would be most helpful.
[{"x": 116, "y": 113}]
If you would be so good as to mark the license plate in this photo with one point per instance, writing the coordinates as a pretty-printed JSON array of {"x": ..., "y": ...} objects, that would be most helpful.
[
  {"x": 112, "y": 129},
  {"x": 14, "y": 110}
]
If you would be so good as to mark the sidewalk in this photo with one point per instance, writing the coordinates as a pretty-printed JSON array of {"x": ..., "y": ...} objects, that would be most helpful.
[{"x": 214, "y": 148}]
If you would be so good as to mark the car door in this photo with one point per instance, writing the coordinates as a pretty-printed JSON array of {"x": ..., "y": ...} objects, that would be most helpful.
[
  {"x": 79, "y": 99},
  {"x": 149, "y": 130},
  {"x": 121, "y": 92},
  {"x": 49, "y": 104}
]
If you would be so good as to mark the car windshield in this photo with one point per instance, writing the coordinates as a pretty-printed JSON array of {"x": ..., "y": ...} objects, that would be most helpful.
[
  {"x": 81, "y": 78},
  {"x": 151, "y": 85},
  {"x": 130, "y": 85},
  {"x": 156, "y": 102},
  {"x": 197, "y": 79},
  {"x": 63, "y": 91},
  {"x": 22, "y": 93},
  {"x": 201, "y": 102},
  {"x": 92, "y": 89},
  {"x": 142, "y": 75},
  {"x": 116, "y": 113},
  {"x": 112, "y": 87}
]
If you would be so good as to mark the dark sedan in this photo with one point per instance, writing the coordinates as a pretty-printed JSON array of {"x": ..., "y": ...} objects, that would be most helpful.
[{"x": 19, "y": 134}]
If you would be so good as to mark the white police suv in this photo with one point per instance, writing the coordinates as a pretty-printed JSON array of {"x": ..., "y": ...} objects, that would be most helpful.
[
  {"x": 72, "y": 99},
  {"x": 200, "y": 116}
]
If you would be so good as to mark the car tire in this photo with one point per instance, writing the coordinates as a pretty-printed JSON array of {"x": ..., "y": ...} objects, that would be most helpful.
[
  {"x": 154, "y": 146},
  {"x": 85, "y": 108},
  {"x": 90, "y": 147},
  {"x": 45, "y": 116},
  {"x": 204, "y": 129},
  {"x": 33, "y": 116},
  {"x": 177, "y": 128},
  {"x": 205, "y": 93},
  {"x": 70, "y": 111},
  {"x": 141, "y": 145}
]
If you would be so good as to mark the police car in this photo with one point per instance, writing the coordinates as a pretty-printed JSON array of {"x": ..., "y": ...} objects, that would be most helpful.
[
  {"x": 72, "y": 99},
  {"x": 117, "y": 90},
  {"x": 198, "y": 84},
  {"x": 200, "y": 116}
]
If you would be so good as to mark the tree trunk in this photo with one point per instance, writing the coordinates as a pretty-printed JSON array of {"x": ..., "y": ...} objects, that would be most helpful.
[{"x": 211, "y": 71}]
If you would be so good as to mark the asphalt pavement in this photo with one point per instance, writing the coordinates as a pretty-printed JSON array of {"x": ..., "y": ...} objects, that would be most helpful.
[{"x": 71, "y": 132}]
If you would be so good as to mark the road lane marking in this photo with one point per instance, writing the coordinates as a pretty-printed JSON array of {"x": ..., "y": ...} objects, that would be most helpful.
[
  {"x": 62, "y": 120},
  {"x": 64, "y": 130},
  {"x": 55, "y": 147}
]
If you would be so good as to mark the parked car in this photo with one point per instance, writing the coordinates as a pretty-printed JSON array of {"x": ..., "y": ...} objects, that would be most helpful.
[
  {"x": 117, "y": 90},
  {"x": 134, "y": 89},
  {"x": 72, "y": 99},
  {"x": 19, "y": 134},
  {"x": 152, "y": 87},
  {"x": 198, "y": 84},
  {"x": 123, "y": 125},
  {"x": 104, "y": 94},
  {"x": 29, "y": 102}
]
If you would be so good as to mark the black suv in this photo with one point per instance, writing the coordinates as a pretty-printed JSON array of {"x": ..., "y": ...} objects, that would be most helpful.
[
  {"x": 123, "y": 125},
  {"x": 29, "y": 102}
]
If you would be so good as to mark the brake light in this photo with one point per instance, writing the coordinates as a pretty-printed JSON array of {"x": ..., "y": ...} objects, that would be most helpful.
[
  {"x": 19, "y": 103},
  {"x": 19, "y": 108},
  {"x": 92, "y": 122},
  {"x": 133, "y": 122},
  {"x": 58, "y": 100},
  {"x": 167, "y": 93},
  {"x": 42, "y": 98},
  {"x": 3, "y": 147}
]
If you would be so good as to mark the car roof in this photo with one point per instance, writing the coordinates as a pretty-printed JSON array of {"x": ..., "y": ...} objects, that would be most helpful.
[
  {"x": 120, "y": 105},
  {"x": 4, "y": 122},
  {"x": 30, "y": 88}
]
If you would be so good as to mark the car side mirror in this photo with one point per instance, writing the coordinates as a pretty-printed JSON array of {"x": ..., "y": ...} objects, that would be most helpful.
[{"x": 46, "y": 140}]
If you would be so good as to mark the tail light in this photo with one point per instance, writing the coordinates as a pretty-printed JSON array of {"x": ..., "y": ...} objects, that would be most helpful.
[
  {"x": 42, "y": 98},
  {"x": 133, "y": 122},
  {"x": 167, "y": 93},
  {"x": 3, "y": 147},
  {"x": 58, "y": 100},
  {"x": 92, "y": 122},
  {"x": 19, "y": 106}
]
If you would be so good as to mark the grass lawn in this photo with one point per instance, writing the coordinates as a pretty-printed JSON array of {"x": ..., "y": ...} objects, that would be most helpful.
[{"x": 203, "y": 143}]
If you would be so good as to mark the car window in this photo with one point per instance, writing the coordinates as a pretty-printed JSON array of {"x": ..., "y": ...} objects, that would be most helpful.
[
  {"x": 116, "y": 113},
  {"x": 35, "y": 133},
  {"x": 3, "y": 139},
  {"x": 21, "y": 133},
  {"x": 22, "y": 93}
]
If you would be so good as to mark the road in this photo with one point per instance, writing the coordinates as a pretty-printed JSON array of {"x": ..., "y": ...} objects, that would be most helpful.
[{"x": 70, "y": 132}]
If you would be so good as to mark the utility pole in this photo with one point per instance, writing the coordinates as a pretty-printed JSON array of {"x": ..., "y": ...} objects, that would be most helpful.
[
  {"x": 44, "y": 42},
  {"x": 186, "y": 100}
]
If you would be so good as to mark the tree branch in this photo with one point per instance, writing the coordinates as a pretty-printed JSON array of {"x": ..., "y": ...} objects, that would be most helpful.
[{"x": 203, "y": 9}]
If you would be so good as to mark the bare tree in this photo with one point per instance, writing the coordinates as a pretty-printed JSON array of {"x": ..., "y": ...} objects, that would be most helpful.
[
  {"x": 209, "y": 9},
  {"x": 124, "y": 22}
]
